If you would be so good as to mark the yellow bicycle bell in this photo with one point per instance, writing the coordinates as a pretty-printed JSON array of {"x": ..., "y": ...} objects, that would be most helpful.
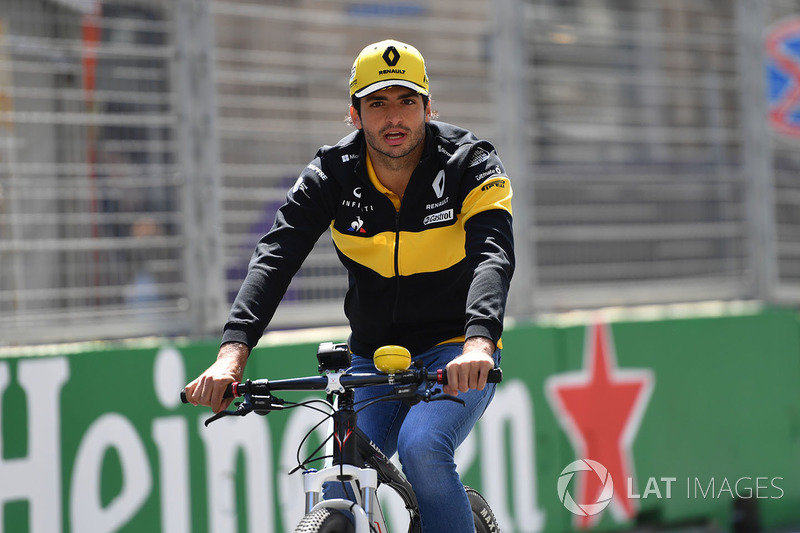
[{"x": 392, "y": 359}]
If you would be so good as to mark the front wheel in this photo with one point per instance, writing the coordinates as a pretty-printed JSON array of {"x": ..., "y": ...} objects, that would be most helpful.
[
  {"x": 326, "y": 521},
  {"x": 482, "y": 514}
]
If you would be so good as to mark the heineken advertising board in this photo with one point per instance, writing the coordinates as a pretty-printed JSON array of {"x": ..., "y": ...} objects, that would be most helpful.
[{"x": 600, "y": 427}]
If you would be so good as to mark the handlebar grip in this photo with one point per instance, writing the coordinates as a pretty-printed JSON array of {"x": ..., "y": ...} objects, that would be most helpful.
[
  {"x": 495, "y": 376},
  {"x": 227, "y": 394}
]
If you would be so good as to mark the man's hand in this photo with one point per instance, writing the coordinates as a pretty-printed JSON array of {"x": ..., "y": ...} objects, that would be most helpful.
[
  {"x": 209, "y": 387},
  {"x": 470, "y": 369}
]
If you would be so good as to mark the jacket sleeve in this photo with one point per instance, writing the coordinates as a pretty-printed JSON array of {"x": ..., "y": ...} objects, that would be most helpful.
[
  {"x": 489, "y": 247},
  {"x": 307, "y": 213}
]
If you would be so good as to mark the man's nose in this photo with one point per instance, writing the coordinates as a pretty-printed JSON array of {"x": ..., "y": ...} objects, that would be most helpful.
[{"x": 393, "y": 115}]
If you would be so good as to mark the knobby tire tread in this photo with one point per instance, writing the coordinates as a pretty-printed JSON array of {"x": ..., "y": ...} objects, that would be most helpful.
[
  {"x": 326, "y": 521},
  {"x": 482, "y": 514}
]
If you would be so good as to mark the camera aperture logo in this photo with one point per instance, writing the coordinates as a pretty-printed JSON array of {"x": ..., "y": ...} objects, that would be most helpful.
[
  {"x": 744, "y": 487},
  {"x": 585, "y": 508}
]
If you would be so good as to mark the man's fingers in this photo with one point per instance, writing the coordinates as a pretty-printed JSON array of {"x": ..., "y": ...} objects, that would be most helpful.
[
  {"x": 218, "y": 403},
  {"x": 189, "y": 392},
  {"x": 208, "y": 389},
  {"x": 214, "y": 398},
  {"x": 466, "y": 373},
  {"x": 474, "y": 376},
  {"x": 225, "y": 403},
  {"x": 452, "y": 380},
  {"x": 483, "y": 376},
  {"x": 457, "y": 377},
  {"x": 464, "y": 378},
  {"x": 204, "y": 393},
  {"x": 205, "y": 390}
]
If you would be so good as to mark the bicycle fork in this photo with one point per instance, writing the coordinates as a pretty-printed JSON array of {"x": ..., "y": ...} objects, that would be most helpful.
[{"x": 365, "y": 509}]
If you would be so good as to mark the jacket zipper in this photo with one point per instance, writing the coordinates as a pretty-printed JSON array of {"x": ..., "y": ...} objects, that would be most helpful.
[
  {"x": 396, "y": 263},
  {"x": 397, "y": 245}
]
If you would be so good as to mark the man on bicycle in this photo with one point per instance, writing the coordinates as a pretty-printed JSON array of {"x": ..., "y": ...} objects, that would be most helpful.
[{"x": 420, "y": 215}]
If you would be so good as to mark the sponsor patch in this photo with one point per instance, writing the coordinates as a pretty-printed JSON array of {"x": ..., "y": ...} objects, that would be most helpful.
[
  {"x": 438, "y": 184},
  {"x": 495, "y": 170},
  {"x": 441, "y": 216},
  {"x": 318, "y": 171},
  {"x": 500, "y": 184},
  {"x": 357, "y": 226},
  {"x": 363, "y": 207},
  {"x": 298, "y": 185},
  {"x": 437, "y": 205},
  {"x": 478, "y": 156}
]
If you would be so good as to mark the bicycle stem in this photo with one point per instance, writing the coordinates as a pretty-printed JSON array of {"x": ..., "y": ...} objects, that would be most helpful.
[{"x": 345, "y": 450}]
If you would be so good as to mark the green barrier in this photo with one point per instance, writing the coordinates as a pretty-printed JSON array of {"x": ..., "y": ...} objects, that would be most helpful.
[
  {"x": 685, "y": 418},
  {"x": 691, "y": 417}
]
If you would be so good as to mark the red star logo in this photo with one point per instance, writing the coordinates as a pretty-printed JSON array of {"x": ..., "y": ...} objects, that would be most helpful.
[{"x": 600, "y": 408}]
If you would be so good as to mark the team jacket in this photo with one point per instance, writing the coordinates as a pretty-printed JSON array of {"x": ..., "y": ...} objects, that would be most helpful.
[{"x": 437, "y": 269}]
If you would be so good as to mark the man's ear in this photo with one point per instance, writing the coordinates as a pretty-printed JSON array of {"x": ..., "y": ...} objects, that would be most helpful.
[
  {"x": 428, "y": 112},
  {"x": 355, "y": 117}
]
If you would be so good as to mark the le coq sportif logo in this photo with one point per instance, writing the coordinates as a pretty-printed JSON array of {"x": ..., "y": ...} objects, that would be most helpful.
[{"x": 591, "y": 468}]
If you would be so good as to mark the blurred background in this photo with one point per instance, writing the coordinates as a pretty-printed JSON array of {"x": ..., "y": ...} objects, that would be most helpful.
[{"x": 145, "y": 146}]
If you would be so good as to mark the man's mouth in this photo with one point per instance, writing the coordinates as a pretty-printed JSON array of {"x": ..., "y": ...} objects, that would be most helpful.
[{"x": 394, "y": 137}]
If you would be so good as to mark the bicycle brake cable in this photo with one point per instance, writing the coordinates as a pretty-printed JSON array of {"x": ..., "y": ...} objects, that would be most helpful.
[{"x": 302, "y": 463}]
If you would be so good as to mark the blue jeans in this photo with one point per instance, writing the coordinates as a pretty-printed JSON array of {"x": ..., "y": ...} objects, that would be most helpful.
[{"x": 426, "y": 436}]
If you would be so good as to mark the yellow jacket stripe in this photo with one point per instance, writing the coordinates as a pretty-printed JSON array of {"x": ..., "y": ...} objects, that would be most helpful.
[
  {"x": 431, "y": 250},
  {"x": 494, "y": 193},
  {"x": 415, "y": 253}
]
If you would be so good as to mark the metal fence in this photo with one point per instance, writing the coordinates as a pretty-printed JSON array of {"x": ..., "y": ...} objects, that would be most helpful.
[
  {"x": 145, "y": 146},
  {"x": 90, "y": 217}
]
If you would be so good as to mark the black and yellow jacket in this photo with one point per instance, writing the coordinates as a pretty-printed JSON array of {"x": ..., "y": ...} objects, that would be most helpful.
[{"x": 431, "y": 269}]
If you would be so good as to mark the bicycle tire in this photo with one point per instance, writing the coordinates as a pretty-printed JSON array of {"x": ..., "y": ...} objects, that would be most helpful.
[
  {"x": 326, "y": 521},
  {"x": 482, "y": 514}
]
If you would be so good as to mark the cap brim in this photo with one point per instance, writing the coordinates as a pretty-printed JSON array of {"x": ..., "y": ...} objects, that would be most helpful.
[{"x": 385, "y": 84}]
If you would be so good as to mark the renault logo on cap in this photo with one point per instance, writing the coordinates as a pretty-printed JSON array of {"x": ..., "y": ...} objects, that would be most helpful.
[{"x": 391, "y": 56}]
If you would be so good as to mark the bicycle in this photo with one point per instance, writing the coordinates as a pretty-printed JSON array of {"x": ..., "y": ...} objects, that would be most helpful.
[{"x": 356, "y": 462}]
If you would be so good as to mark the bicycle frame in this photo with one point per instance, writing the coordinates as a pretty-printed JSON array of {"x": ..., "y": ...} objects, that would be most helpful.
[
  {"x": 355, "y": 460},
  {"x": 351, "y": 449}
]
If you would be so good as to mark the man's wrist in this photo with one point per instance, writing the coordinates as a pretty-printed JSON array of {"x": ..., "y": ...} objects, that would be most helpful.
[
  {"x": 235, "y": 350},
  {"x": 478, "y": 343}
]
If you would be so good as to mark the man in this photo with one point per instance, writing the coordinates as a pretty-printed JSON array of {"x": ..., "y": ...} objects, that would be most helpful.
[{"x": 420, "y": 214}]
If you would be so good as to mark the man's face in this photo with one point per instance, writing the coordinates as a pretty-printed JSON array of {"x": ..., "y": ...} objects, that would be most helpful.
[{"x": 393, "y": 121}]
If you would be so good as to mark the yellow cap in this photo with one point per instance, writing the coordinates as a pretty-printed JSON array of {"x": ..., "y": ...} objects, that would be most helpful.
[
  {"x": 386, "y": 64},
  {"x": 392, "y": 359}
]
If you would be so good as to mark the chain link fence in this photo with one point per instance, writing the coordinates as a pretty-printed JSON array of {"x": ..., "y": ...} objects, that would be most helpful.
[
  {"x": 90, "y": 229},
  {"x": 145, "y": 146}
]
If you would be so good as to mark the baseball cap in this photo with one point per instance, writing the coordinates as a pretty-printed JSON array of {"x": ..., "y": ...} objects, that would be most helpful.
[{"x": 386, "y": 64}]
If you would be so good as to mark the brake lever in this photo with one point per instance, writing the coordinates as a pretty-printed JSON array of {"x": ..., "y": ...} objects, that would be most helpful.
[
  {"x": 260, "y": 405},
  {"x": 242, "y": 408},
  {"x": 437, "y": 395}
]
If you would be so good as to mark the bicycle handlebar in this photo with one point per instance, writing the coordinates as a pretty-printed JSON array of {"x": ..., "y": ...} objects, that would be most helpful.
[{"x": 313, "y": 383}]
